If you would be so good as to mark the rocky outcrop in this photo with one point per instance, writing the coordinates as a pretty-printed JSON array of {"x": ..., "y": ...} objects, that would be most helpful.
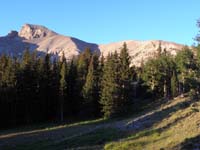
[
  {"x": 12, "y": 34},
  {"x": 29, "y": 31}
]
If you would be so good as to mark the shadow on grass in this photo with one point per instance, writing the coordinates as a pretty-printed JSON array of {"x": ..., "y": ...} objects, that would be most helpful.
[
  {"x": 189, "y": 144},
  {"x": 137, "y": 141},
  {"x": 97, "y": 138},
  {"x": 94, "y": 140},
  {"x": 149, "y": 119},
  {"x": 46, "y": 132}
]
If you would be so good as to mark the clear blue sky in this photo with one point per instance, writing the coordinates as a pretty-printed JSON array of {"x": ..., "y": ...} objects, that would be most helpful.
[{"x": 104, "y": 21}]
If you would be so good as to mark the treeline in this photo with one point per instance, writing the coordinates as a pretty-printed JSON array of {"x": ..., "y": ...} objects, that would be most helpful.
[
  {"x": 168, "y": 76},
  {"x": 35, "y": 89}
]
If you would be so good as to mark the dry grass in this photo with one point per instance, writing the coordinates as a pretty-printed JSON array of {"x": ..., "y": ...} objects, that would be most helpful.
[{"x": 169, "y": 133}]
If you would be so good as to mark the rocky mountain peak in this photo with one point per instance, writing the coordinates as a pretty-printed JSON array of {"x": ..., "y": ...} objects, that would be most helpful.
[
  {"x": 44, "y": 40},
  {"x": 12, "y": 34},
  {"x": 30, "y": 31}
]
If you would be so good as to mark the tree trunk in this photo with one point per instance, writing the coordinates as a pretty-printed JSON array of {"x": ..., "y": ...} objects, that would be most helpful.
[
  {"x": 165, "y": 89},
  {"x": 61, "y": 109}
]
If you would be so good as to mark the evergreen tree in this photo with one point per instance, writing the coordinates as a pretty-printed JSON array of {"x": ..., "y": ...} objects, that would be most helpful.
[
  {"x": 198, "y": 35},
  {"x": 159, "y": 50},
  {"x": 157, "y": 75},
  {"x": 149, "y": 75},
  {"x": 167, "y": 67},
  {"x": 174, "y": 84},
  {"x": 124, "y": 77},
  {"x": 63, "y": 87},
  {"x": 83, "y": 63},
  {"x": 73, "y": 94},
  {"x": 82, "y": 70},
  {"x": 55, "y": 85},
  {"x": 91, "y": 88},
  {"x": 185, "y": 66},
  {"x": 110, "y": 88},
  {"x": 45, "y": 86}
]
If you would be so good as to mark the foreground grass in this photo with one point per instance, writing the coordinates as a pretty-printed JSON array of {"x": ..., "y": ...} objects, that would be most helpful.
[
  {"x": 50, "y": 126},
  {"x": 175, "y": 125},
  {"x": 173, "y": 132},
  {"x": 94, "y": 140}
]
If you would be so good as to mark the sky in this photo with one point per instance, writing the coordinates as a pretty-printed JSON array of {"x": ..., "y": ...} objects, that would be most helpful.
[{"x": 105, "y": 21}]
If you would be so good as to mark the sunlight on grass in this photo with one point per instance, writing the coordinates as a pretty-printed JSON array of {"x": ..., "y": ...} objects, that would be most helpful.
[
  {"x": 167, "y": 134},
  {"x": 87, "y": 122},
  {"x": 176, "y": 124}
]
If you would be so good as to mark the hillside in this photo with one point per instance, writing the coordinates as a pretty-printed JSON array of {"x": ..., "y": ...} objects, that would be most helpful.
[
  {"x": 172, "y": 125},
  {"x": 44, "y": 40}
]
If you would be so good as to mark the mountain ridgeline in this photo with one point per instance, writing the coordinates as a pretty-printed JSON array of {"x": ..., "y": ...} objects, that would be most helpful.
[
  {"x": 124, "y": 78},
  {"x": 40, "y": 38}
]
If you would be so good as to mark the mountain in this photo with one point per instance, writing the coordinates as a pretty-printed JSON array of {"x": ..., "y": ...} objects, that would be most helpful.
[
  {"x": 42, "y": 39},
  {"x": 35, "y": 37},
  {"x": 141, "y": 50}
]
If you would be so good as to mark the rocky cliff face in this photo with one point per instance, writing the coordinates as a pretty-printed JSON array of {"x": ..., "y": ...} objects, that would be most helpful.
[
  {"x": 29, "y": 32},
  {"x": 42, "y": 39}
]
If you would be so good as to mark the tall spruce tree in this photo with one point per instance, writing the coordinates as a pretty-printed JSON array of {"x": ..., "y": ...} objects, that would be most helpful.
[
  {"x": 55, "y": 85},
  {"x": 185, "y": 66},
  {"x": 91, "y": 87},
  {"x": 174, "y": 84},
  {"x": 110, "y": 88},
  {"x": 73, "y": 95},
  {"x": 83, "y": 64},
  {"x": 63, "y": 87},
  {"x": 45, "y": 86},
  {"x": 157, "y": 74},
  {"x": 124, "y": 77},
  {"x": 24, "y": 89}
]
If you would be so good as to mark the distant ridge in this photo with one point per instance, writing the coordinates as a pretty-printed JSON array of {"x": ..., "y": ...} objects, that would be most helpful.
[{"x": 42, "y": 39}]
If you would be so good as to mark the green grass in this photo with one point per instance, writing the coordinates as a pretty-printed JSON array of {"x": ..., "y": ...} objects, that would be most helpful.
[
  {"x": 176, "y": 126},
  {"x": 169, "y": 133},
  {"x": 98, "y": 137},
  {"x": 94, "y": 140},
  {"x": 51, "y": 126}
]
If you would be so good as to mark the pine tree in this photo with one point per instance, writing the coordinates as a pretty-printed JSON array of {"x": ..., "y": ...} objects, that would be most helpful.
[
  {"x": 157, "y": 74},
  {"x": 159, "y": 50},
  {"x": 149, "y": 75},
  {"x": 166, "y": 71},
  {"x": 174, "y": 84},
  {"x": 185, "y": 66},
  {"x": 24, "y": 89},
  {"x": 110, "y": 88},
  {"x": 73, "y": 95},
  {"x": 82, "y": 70},
  {"x": 83, "y": 64},
  {"x": 63, "y": 87},
  {"x": 90, "y": 88},
  {"x": 124, "y": 77},
  {"x": 55, "y": 85},
  {"x": 198, "y": 35},
  {"x": 45, "y": 86}
]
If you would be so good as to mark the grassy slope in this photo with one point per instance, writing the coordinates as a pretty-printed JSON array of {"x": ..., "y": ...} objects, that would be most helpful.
[
  {"x": 174, "y": 125},
  {"x": 179, "y": 129}
]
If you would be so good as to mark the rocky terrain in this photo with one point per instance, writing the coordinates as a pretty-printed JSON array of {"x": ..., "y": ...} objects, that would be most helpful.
[{"x": 40, "y": 38}]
